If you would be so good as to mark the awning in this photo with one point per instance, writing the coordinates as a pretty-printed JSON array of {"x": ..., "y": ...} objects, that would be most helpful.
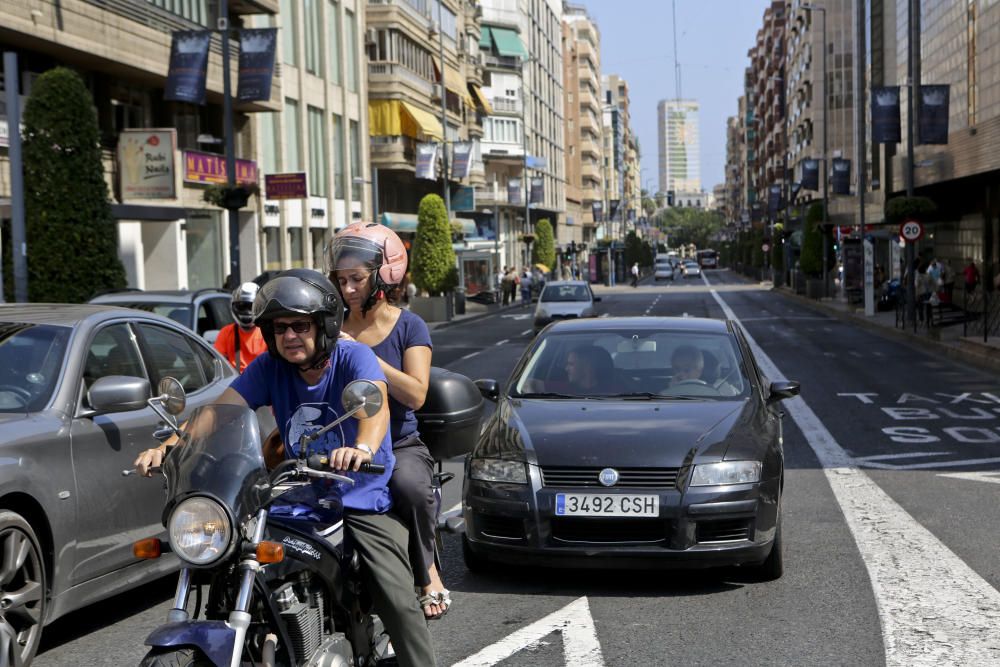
[
  {"x": 394, "y": 118},
  {"x": 508, "y": 43},
  {"x": 484, "y": 103},
  {"x": 486, "y": 39},
  {"x": 407, "y": 223},
  {"x": 455, "y": 82}
]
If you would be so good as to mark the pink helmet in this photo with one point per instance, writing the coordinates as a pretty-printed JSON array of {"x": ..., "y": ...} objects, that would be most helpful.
[{"x": 379, "y": 250}]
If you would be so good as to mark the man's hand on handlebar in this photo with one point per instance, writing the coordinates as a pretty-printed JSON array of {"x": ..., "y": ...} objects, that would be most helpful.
[{"x": 348, "y": 458}]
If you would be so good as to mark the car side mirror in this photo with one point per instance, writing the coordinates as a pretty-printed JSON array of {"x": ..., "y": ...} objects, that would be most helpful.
[
  {"x": 489, "y": 389},
  {"x": 118, "y": 393},
  {"x": 782, "y": 390},
  {"x": 596, "y": 299}
]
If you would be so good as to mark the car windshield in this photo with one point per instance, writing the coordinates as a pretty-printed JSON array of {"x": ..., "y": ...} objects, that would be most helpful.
[
  {"x": 31, "y": 357},
  {"x": 639, "y": 365},
  {"x": 178, "y": 312},
  {"x": 565, "y": 293}
]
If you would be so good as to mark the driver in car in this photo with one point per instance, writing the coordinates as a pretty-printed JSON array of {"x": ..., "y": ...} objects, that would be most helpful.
[
  {"x": 687, "y": 365},
  {"x": 300, "y": 314}
]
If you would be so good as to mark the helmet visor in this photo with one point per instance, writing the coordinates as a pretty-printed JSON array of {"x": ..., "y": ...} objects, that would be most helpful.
[
  {"x": 287, "y": 295},
  {"x": 351, "y": 252}
]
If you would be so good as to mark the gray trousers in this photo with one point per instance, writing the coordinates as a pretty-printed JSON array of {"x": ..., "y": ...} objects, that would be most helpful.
[
  {"x": 413, "y": 501},
  {"x": 380, "y": 542}
]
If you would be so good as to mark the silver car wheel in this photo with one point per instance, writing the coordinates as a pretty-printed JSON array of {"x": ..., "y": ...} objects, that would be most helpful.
[{"x": 22, "y": 591}]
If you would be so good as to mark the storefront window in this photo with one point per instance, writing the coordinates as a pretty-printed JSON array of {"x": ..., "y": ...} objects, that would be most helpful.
[
  {"x": 295, "y": 250},
  {"x": 272, "y": 243},
  {"x": 476, "y": 272},
  {"x": 204, "y": 249}
]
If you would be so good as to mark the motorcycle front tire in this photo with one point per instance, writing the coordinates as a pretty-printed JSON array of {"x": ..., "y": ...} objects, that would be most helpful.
[{"x": 175, "y": 657}]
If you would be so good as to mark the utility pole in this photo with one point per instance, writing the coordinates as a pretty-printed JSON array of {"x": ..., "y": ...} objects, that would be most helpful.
[
  {"x": 860, "y": 151},
  {"x": 525, "y": 182},
  {"x": 913, "y": 74},
  {"x": 227, "y": 124},
  {"x": 18, "y": 251},
  {"x": 444, "y": 113}
]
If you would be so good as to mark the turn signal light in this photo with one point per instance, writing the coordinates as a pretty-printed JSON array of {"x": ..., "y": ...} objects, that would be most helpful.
[
  {"x": 148, "y": 548},
  {"x": 270, "y": 552}
]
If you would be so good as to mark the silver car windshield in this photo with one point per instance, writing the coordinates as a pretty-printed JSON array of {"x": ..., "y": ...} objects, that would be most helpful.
[
  {"x": 630, "y": 364},
  {"x": 565, "y": 293},
  {"x": 31, "y": 357}
]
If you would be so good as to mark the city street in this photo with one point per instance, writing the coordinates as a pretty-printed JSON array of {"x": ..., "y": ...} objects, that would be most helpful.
[{"x": 889, "y": 519}]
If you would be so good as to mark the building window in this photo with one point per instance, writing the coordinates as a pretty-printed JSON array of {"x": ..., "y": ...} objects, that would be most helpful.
[
  {"x": 269, "y": 143},
  {"x": 314, "y": 37},
  {"x": 318, "y": 237},
  {"x": 355, "y": 161},
  {"x": 295, "y": 249},
  {"x": 272, "y": 248},
  {"x": 289, "y": 41},
  {"x": 352, "y": 51},
  {"x": 317, "y": 153},
  {"x": 292, "y": 157},
  {"x": 333, "y": 31},
  {"x": 338, "y": 157},
  {"x": 195, "y": 11}
]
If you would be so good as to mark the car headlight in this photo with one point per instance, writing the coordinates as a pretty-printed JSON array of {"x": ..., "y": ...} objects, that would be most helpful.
[
  {"x": 200, "y": 530},
  {"x": 498, "y": 470},
  {"x": 726, "y": 472},
  {"x": 541, "y": 313}
]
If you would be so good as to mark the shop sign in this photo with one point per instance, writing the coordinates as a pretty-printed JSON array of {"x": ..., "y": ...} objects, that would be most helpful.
[
  {"x": 210, "y": 168},
  {"x": 146, "y": 164},
  {"x": 286, "y": 186}
]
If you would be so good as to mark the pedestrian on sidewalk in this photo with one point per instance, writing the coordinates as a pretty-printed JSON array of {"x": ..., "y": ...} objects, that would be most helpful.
[
  {"x": 971, "y": 273},
  {"x": 947, "y": 281},
  {"x": 498, "y": 286},
  {"x": 635, "y": 274},
  {"x": 526, "y": 287}
]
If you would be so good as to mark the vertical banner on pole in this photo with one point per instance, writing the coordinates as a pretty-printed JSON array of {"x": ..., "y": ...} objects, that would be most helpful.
[
  {"x": 773, "y": 200},
  {"x": 514, "y": 191},
  {"x": 537, "y": 195},
  {"x": 885, "y": 115},
  {"x": 840, "y": 181},
  {"x": 597, "y": 209},
  {"x": 810, "y": 174},
  {"x": 188, "y": 66},
  {"x": 427, "y": 161},
  {"x": 612, "y": 208},
  {"x": 257, "y": 47},
  {"x": 461, "y": 154},
  {"x": 933, "y": 114}
]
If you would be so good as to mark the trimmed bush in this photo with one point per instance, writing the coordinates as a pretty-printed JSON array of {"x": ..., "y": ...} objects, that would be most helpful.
[
  {"x": 72, "y": 238},
  {"x": 433, "y": 260},
  {"x": 543, "y": 251},
  {"x": 811, "y": 259}
]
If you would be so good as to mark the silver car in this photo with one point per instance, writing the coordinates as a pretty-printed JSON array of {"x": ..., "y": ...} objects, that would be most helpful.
[
  {"x": 66, "y": 510},
  {"x": 564, "y": 299},
  {"x": 205, "y": 311},
  {"x": 663, "y": 270}
]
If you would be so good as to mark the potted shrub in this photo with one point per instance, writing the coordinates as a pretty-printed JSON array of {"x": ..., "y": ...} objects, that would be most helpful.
[
  {"x": 433, "y": 261},
  {"x": 811, "y": 260}
]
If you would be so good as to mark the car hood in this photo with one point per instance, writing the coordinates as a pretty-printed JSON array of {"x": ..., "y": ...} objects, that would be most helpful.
[
  {"x": 624, "y": 433},
  {"x": 564, "y": 307}
]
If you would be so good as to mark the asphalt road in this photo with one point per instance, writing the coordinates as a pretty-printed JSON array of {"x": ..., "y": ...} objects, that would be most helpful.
[{"x": 890, "y": 520}]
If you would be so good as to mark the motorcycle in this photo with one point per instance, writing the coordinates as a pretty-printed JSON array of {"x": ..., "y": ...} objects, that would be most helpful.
[{"x": 284, "y": 586}]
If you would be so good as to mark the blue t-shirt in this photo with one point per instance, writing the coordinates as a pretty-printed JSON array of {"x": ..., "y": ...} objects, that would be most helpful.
[
  {"x": 301, "y": 408},
  {"x": 410, "y": 331}
]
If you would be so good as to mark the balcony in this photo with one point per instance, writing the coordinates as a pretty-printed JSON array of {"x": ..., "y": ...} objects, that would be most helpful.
[
  {"x": 502, "y": 62},
  {"x": 385, "y": 76},
  {"x": 506, "y": 105},
  {"x": 394, "y": 152},
  {"x": 589, "y": 147},
  {"x": 590, "y": 170},
  {"x": 497, "y": 151}
]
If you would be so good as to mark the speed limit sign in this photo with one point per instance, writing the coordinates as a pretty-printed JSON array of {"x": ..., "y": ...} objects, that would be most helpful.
[{"x": 911, "y": 230}]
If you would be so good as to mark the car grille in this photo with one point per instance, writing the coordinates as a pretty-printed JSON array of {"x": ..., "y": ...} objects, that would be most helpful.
[
  {"x": 726, "y": 530},
  {"x": 502, "y": 527},
  {"x": 631, "y": 478},
  {"x": 598, "y": 530}
]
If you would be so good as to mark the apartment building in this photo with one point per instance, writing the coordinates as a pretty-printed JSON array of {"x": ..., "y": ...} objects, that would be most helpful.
[
  {"x": 678, "y": 146},
  {"x": 620, "y": 156},
  {"x": 170, "y": 239}
]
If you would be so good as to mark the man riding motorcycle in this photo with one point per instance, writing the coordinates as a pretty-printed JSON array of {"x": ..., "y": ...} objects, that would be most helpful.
[{"x": 300, "y": 314}]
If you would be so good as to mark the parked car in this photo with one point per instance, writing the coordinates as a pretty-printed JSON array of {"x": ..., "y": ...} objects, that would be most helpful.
[
  {"x": 662, "y": 463},
  {"x": 205, "y": 311},
  {"x": 691, "y": 269},
  {"x": 564, "y": 299},
  {"x": 663, "y": 271},
  {"x": 65, "y": 506}
]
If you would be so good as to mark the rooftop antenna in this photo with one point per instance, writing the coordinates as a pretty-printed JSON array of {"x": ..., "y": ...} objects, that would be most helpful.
[{"x": 677, "y": 65}]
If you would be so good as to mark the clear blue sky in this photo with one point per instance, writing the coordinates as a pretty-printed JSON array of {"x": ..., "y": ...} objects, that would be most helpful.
[{"x": 713, "y": 37}]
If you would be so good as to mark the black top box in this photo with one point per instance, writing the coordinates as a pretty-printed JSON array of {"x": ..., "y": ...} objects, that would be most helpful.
[{"x": 449, "y": 419}]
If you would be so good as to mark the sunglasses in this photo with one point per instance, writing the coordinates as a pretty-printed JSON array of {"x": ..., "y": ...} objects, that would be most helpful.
[{"x": 298, "y": 327}]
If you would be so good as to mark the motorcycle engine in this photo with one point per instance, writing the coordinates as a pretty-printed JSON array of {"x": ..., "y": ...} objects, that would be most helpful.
[{"x": 304, "y": 619}]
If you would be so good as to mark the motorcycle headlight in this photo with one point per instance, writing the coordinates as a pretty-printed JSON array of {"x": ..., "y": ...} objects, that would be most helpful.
[
  {"x": 498, "y": 470},
  {"x": 200, "y": 530},
  {"x": 726, "y": 472}
]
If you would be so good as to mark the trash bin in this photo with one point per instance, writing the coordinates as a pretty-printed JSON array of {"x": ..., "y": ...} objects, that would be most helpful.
[{"x": 460, "y": 300}]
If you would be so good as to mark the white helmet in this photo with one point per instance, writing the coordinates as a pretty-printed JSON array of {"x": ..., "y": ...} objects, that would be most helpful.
[{"x": 242, "y": 304}]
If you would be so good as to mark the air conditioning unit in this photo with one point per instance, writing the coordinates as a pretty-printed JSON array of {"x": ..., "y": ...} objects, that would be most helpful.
[
  {"x": 436, "y": 91},
  {"x": 370, "y": 36},
  {"x": 462, "y": 48}
]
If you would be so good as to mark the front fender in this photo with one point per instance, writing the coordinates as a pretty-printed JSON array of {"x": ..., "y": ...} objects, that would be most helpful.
[{"x": 214, "y": 638}]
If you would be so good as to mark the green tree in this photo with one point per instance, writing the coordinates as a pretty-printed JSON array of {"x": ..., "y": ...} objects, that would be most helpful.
[
  {"x": 690, "y": 225},
  {"x": 433, "y": 261},
  {"x": 72, "y": 238},
  {"x": 900, "y": 209},
  {"x": 811, "y": 259},
  {"x": 543, "y": 250}
]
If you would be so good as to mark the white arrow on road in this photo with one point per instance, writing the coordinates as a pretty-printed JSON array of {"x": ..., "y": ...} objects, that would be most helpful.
[
  {"x": 993, "y": 477},
  {"x": 573, "y": 622}
]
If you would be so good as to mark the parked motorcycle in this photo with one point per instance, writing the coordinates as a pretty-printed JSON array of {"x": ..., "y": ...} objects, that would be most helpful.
[{"x": 284, "y": 586}]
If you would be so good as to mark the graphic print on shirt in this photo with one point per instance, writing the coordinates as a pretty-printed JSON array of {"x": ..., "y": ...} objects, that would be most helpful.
[{"x": 309, "y": 418}]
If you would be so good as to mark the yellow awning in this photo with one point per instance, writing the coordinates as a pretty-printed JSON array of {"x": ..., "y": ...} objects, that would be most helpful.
[
  {"x": 481, "y": 98},
  {"x": 396, "y": 118},
  {"x": 455, "y": 82}
]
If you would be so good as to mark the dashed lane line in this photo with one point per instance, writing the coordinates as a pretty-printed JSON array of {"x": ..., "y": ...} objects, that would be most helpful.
[
  {"x": 934, "y": 608},
  {"x": 468, "y": 356},
  {"x": 502, "y": 342}
]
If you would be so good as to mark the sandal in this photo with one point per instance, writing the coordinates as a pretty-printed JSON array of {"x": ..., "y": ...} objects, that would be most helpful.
[{"x": 440, "y": 598}]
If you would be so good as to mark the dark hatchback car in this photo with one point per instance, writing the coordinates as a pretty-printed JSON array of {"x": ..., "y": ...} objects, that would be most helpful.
[
  {"x": 68, "y": 517},
  {"x": 205, "y": 311},
  {"x": 672, "y": 459}
]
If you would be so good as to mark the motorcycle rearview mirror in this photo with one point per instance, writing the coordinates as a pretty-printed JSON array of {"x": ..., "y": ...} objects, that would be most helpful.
[
  {"x": 362, "y": 398},
  {"x": 172, "y": 395}
]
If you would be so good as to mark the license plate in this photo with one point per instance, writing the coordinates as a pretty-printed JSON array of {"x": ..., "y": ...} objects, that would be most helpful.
[{"x": 587, "y": 504}]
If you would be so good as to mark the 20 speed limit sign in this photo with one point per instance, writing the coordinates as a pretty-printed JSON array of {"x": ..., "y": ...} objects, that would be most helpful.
[{"x": 911, "y": 230}]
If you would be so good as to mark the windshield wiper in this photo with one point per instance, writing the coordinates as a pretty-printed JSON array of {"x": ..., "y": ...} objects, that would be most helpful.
[
  {"x": 546, "y": 394},
  {"x": 653, "y": 396}
]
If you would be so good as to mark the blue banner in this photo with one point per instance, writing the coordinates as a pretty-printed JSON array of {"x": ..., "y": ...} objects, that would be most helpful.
[
  {"x": 885, "y": 115},
  {"x": 461, "y": 153},
  {"x": 934, "y": 114},
  {"x": 537, "y": 190},
  {"x": 840, "y": 180},
  {"x": 427, "y": 161},
  {"x": 257, "y": 47},
  {"x": 810, "y": 174},
  {"x": 188, "y": 66},
  {"x": 514, "y": 191},
  {"x": 464, "y": 199},
  {"x": 597, "y": 208},
  {"x": 773, "y": 200}
]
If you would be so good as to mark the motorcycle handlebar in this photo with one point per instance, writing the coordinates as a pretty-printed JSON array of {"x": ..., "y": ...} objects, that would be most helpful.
[{"x": 321, "y": 462}]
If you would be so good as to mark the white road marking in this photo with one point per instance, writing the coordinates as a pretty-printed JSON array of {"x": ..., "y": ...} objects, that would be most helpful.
[
  {"x": 934, "y": 608},
  {"x": 522, "y": 316},
  {"x": 468, "y": 356},
  {"x": 993, "y": 477},
  {"x": 930, "y": 466},
  {"x": 574, "y": 622},
  {"x": 527, "y": 332},
  {"x": 501, "y": 342},
  {"x": 906, "y": 455}
]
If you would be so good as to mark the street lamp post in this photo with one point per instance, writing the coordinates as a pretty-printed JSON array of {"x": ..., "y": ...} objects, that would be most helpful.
[
  {"x": 525, "y": 181},
  {"x": 826, "y": 173},
  {"x": 229, "y": 133},
  {"x": 444, "y": 114}
]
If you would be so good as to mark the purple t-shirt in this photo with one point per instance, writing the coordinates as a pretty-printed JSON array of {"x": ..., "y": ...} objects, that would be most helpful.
[
  {"x": 301, "y": 408},
  {"x": 410, "y": 331}
]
